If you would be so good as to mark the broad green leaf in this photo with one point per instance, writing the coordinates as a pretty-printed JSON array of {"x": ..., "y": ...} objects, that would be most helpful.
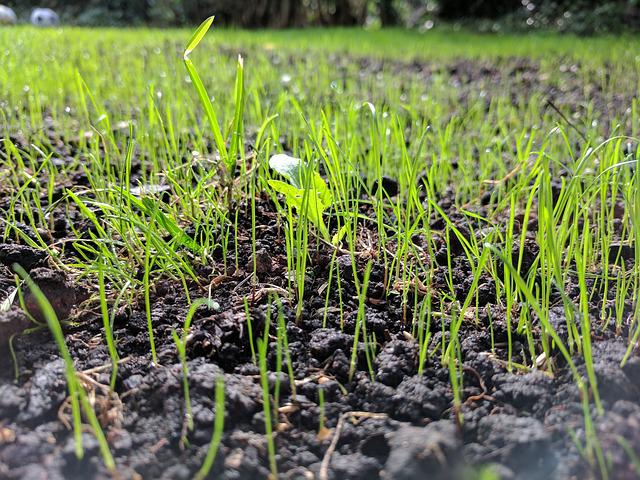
[
  {"x": 300, "y": 175},
  {"x": 289, "y": 167},
  {"x": 314, "y": 204},
  {"x": 294, "y": 170},
  {"x": 322, "y": 190},
  {"x": 293, "y": 195}
]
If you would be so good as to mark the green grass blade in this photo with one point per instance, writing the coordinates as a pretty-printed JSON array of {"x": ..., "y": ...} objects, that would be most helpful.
[
  {"x": 205, "y": 99},
  {"x": 76, "y": 392},
  {"x": 218, "y": 428},
  {"x": 236, "y": 128},
  {"x": 198, "y": 36},
  {"x": 56, "y": 330}
]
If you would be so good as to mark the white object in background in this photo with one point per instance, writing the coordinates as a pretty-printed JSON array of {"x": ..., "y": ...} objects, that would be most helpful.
[
  {"x": 44, "y": 17},
  {"x": 7, "y": 16}
]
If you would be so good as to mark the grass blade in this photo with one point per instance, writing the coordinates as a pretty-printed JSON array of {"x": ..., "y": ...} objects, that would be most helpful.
[
  {"x": 76, "y": 392},
  {"x": 218, "y": 428},
  {"x": 198, "y": 36}
]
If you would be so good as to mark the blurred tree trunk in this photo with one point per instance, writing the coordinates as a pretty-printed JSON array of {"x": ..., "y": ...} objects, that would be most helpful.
[
  {"x": 273, "y": 14},
  {"x": 345, "y": 13},
  {"x": 388, "y": 14},
  {"x": 455, "y": 9}
]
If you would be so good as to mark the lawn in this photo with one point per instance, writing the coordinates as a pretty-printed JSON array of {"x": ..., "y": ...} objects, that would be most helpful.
[{"x": 333, "y": 253}]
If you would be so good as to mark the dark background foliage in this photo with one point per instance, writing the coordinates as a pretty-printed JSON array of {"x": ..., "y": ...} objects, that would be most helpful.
[{"x": 579, "y": 16}]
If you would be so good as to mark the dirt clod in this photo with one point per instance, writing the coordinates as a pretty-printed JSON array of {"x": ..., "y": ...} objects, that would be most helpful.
[
  {"x": 24, "y": 256},
  {"x": 417, "y": 452},
  {"x": 58, "y": 290}
]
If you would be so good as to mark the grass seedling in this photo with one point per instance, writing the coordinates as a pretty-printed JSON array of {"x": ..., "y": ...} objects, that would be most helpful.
[
  {"x": 283, "y": 341},
  {"x": 106, "y": 323},
  {"x": 228, "y": 156},
  {"x": 333, "y": 270},
  {"x": 631, "y": 453},
  {"x": 297, "y": 246},
  {"x": 636, "y": 235},
  {"x": 455, "y": 377},
  {"x": 147, "y": 300},
  {"x": 542, "y": 316},
  {"x": 77, "y": 394},
  {"x": 278, "y": 368},
  {"x": 145, "y": 185},
  {"x": 424, "y": 331},
  {"x": 321, "y": 421},
  {"x": 216, "y": 436},
  {"x": 263, "y": 348},
  {"x": 181, "y": 347},
  {"x": 455, "y": 325},
  {"x": 360, "y": 322},
  {"x": 247, "y": 315}
]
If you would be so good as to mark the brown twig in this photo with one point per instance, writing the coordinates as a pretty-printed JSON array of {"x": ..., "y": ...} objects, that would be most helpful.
[
  {"x": 549, "y": 103},
  {"x": 106, "y": 366},
  {"x": 324, "y": 466},
  {"x": 484, "y": 395}
]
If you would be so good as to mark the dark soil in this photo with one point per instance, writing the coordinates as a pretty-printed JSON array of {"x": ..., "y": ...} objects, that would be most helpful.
[{"x": 521, "y": 423}]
